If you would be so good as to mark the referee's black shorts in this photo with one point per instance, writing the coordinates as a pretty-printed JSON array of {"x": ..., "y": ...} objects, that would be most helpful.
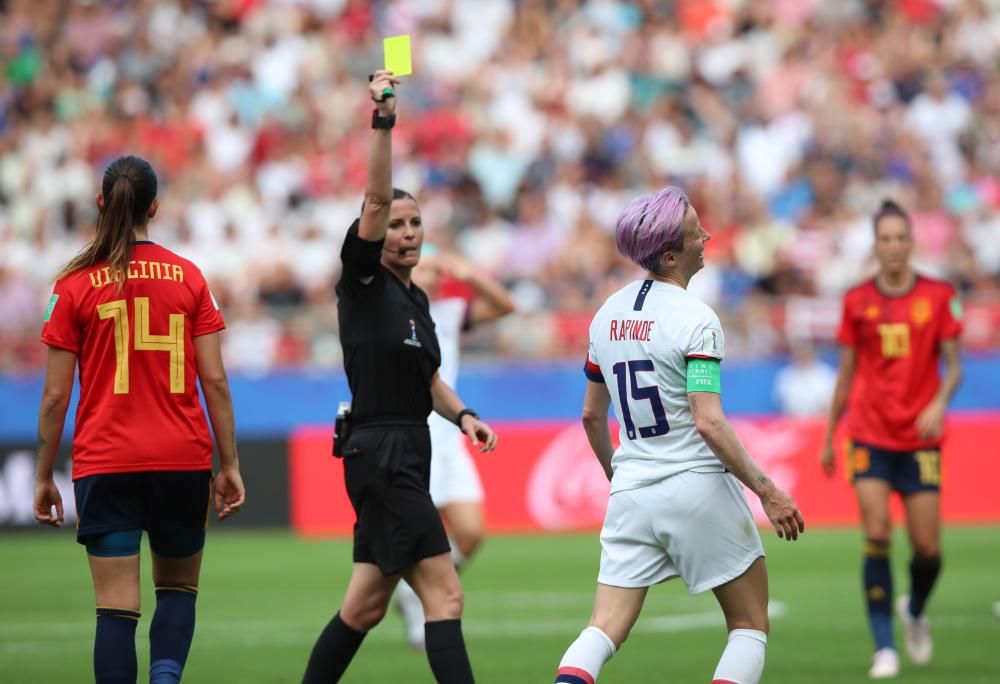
[{"x": 387, "y": 473}]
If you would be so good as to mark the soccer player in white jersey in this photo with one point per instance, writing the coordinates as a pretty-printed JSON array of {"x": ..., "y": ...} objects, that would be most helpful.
[
  {"x": 455, "y": 486},
  {"x": 676, "y": 508}
]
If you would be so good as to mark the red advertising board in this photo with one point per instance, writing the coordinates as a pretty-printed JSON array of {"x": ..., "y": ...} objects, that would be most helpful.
[{"x": 544, "y": 477}]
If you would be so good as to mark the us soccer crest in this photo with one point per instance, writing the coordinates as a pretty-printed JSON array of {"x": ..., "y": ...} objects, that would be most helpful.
[{"x": 920, "y": 311}]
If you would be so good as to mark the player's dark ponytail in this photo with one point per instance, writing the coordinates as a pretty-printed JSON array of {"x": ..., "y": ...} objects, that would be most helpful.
[
  {"x": 890, "y": 208},
  {"x": 129, "y": 188}
]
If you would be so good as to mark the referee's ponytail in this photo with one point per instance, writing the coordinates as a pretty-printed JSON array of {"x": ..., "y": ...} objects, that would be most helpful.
[{"x": 129, "y": 188}]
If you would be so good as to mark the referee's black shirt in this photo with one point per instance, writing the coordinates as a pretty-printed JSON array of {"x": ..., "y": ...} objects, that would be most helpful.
[{"x": 391, "y": 351}]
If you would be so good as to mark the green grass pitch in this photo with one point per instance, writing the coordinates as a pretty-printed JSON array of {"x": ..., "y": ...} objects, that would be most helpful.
[{"x": 266, "y": 595}]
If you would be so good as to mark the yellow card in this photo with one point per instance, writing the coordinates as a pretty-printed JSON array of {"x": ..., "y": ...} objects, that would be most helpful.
[{"x": 397, "y": 55}]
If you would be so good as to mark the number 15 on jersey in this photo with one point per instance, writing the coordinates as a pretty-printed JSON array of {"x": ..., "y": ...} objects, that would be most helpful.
[{"x": 629, "y": 388}]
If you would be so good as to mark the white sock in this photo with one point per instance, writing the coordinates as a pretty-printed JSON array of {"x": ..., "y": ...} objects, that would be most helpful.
[
  {"x": 743, "y": 660},
  {"x": 585, "y": 656},
  {"x": 413, "y": 613}
]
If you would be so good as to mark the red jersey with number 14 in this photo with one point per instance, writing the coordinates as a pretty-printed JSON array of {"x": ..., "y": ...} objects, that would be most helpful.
[
  {"x": 139, "y": 408},
  {"x": 898, "y": 340}
]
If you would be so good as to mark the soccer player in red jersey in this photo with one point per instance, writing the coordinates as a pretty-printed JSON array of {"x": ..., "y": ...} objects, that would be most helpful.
[
  {"x": 143, "y": 328},
  {"x": 895, "y": 330}
]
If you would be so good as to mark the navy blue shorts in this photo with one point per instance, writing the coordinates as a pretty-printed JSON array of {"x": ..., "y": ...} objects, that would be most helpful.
[
  {"x": 172, "y": 506},
  {"x": 906, "y": 471}
]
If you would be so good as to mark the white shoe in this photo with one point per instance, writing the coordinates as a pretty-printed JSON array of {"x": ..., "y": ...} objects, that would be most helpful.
[
  {"x": 996, "y": 609},
  {"x": 412, "y": 611},
  {"x": 885, "y": 664},
  {"x": 918, "y": 642}
]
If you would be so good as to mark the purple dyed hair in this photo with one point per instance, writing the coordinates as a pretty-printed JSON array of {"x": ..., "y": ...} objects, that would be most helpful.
[{"x": 650, "y": 225}]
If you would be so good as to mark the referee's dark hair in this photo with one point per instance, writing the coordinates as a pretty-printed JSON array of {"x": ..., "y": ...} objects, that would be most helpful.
[
  {"x": 890, "y": 208},
  {"x": 129, "y": 188}
]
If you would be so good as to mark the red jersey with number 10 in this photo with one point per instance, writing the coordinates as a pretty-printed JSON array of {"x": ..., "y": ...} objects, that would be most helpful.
[
  {"x": 139, "y": 408},
  {"x": 898, "y": 340}
]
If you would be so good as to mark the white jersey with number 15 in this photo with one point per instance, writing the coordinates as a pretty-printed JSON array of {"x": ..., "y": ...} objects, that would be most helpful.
[{"x": 640, "y": 343}]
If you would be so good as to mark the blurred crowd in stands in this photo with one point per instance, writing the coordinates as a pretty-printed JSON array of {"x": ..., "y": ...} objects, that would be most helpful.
[{"x": 525, "y": 128}]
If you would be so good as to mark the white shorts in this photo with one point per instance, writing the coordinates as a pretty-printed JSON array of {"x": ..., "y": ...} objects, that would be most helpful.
[
  {"x": 696, "y": 526},
  {"x": 454, "y": 477}
]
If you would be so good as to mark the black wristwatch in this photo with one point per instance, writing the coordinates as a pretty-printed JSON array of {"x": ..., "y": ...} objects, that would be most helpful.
[
  {"x": 384, "y": 122},
  {"x": 465, "y": 412}
]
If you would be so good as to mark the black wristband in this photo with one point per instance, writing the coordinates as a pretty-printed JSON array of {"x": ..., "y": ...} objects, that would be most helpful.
[
  {"x": 465, "y": 412},
  {"x": 383, "y": 122}
]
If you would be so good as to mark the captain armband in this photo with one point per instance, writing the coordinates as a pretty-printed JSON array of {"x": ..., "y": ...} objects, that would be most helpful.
[{"x": 704, "y": 375}]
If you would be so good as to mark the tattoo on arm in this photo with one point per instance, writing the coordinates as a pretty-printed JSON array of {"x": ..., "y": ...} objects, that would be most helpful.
[
  {"x": 694, "y": 404},
  {"x": 41, "y": 444}
]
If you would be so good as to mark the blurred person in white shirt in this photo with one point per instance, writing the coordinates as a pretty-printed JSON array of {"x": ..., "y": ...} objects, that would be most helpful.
[
  {"x": 803, "y": 388},
  {"x": 938, "y": 116}
]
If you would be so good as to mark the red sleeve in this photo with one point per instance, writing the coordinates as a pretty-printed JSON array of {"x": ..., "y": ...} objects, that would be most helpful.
[
  {"x": 209, "y": 318},
  {"x": 593, "y": 371},
  {"x": 60, "y": 328},
  {"x": 951, "y": 318},
  {"x": 847, "y": 333},
  {"x": 592, "y": 366}
]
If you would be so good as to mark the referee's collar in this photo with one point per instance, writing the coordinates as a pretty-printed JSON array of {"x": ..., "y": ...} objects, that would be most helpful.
[{"x": 144, "y": 242}]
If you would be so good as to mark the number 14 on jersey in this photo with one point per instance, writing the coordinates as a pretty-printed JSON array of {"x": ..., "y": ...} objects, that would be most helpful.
[{"x": 173, "y": 342}]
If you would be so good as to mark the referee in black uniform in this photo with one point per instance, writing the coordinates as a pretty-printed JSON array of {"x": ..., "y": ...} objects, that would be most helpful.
[{"x": 391, "y": 356}]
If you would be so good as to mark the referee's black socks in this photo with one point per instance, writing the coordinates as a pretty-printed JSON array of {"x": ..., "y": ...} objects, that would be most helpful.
[
  {"x": 114, "y": 646},
  {"x": 334, "y": 649},
  {"x": 446, "y": 652}
]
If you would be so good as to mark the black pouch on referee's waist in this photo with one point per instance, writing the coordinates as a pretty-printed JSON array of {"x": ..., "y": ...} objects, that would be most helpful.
[{"x": 341, "y": 428}]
